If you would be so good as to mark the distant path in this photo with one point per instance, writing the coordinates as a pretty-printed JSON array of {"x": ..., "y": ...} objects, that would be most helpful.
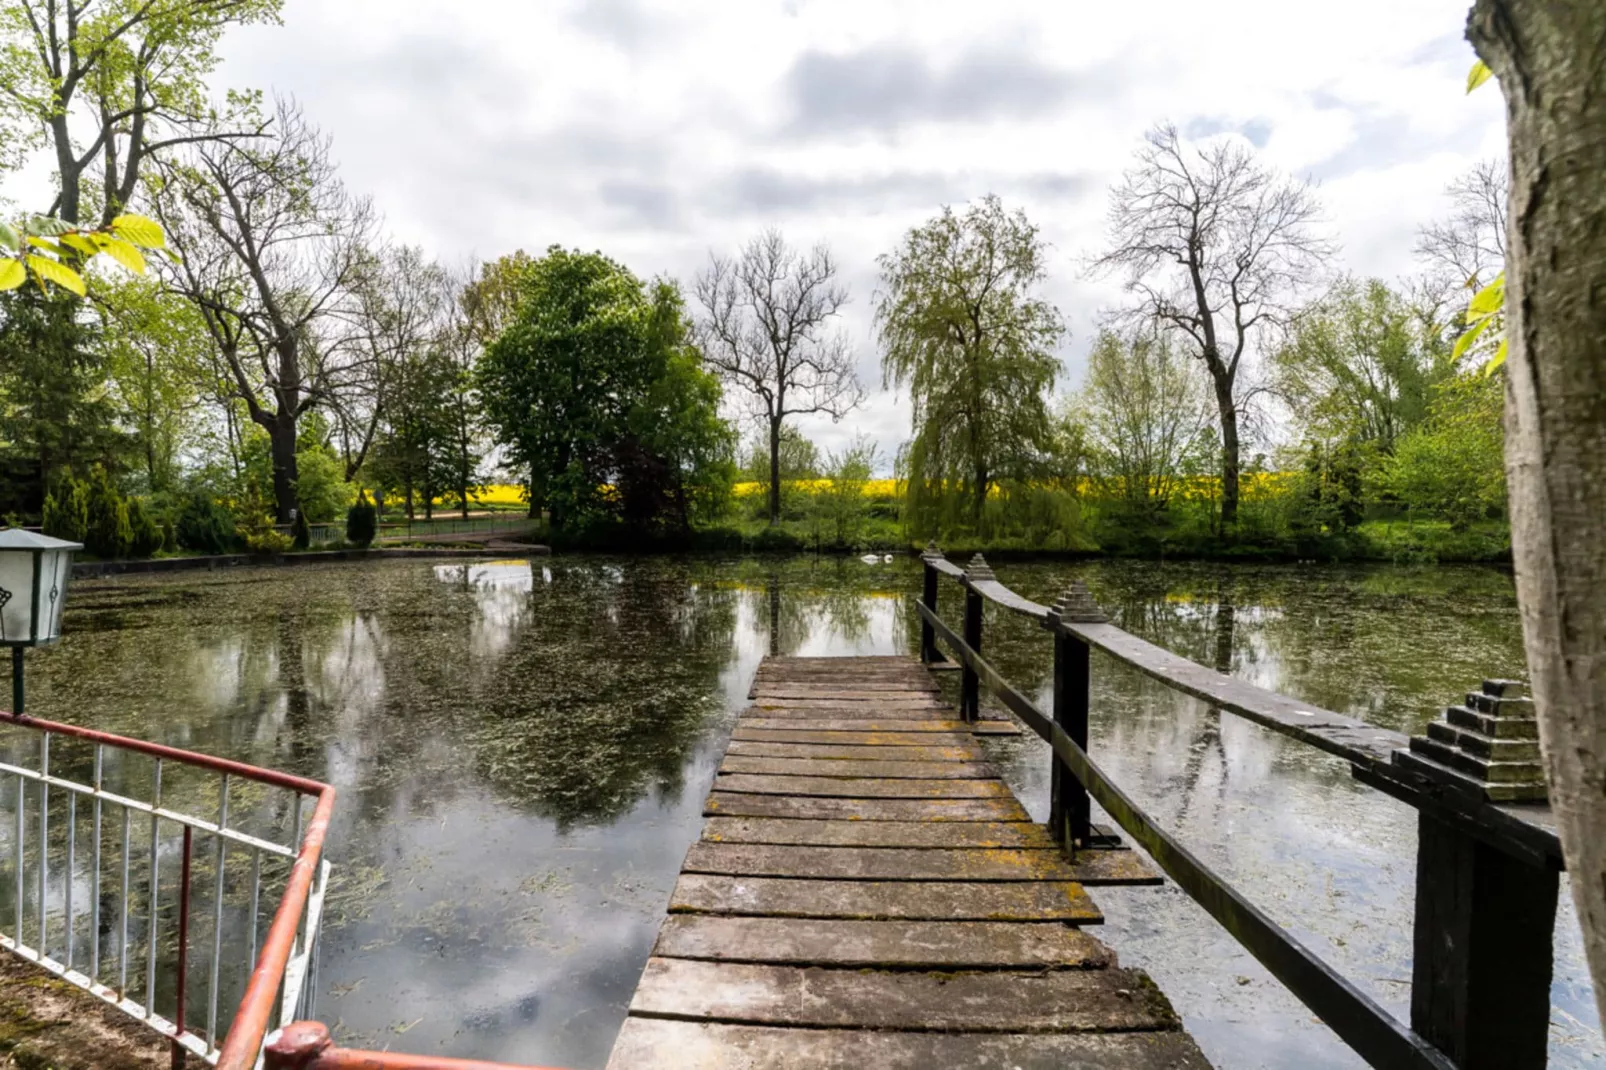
[{"x": 868, "y": 893}]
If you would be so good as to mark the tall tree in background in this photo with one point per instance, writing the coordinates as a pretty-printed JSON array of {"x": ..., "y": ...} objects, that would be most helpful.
[
  {"x": 1548, "y": 57},
  {"x": 1215, "y": 246},
  {"x": 767, "y": 328},
  {"x": 962, "y": 326},
  {"x": 271, "y": 247},
  {"x": 129, "y": 75},
  {"x": 1147, "y": 416},
  {"x": 1360, "y": 364}
]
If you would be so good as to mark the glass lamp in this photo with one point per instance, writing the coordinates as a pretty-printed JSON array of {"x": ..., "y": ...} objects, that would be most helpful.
[{"x": 34, "y": 570}]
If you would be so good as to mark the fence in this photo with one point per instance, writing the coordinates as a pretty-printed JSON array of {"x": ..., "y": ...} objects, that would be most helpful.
[
  {"x": 107, "y": 875},
  {"x": 418, "y": 528},
  {"x": 1487, "y": 871}
]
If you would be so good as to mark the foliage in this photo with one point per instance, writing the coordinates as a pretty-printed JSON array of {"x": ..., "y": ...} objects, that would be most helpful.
[
  {"x": 323, "y": 494},
  {"x": 362, "y": 521},
  {"x": 961, "y": 325},
  {"x": 800, "y": 460},
  {"x": 203, "y": 525},
  {"x": 1452, "y": 467},
  {"x": 596, "y": 385},
  {"x": 66, "y": 514},
  {"x": 1146, "y": 417},
  {"x": 266, "y": 541},
  {"x": 109, "y": 535},
  {"x": 1360, "y": 364},
  {"x": 50, "y": 251},
  {"x": 841, "y": 507},
  {"x": 146, "y": 536}
]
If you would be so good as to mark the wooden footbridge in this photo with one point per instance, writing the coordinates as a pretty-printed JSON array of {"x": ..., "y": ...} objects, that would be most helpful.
[{"x": 866, "y": 890}]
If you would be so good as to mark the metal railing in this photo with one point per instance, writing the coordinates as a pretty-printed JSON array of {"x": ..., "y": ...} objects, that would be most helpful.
[
  {"x": 109, "y": 863},
  {"x": 1487, "y": 873}
]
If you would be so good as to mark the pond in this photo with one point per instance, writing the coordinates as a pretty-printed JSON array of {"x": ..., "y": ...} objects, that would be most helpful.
[{"x": 522, "y": 749}]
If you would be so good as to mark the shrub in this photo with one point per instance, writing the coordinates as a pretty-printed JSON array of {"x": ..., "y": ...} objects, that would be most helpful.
[
  {"x": 67, "y": 511},
  {"x": 301, "y": 531},
  {"x": 204, "y": 526},
  {"x": 267, "y": 542},
  {"x": 148, "y": 537},
  {"x": 362, "y": 521},
  {"x": 109, "y": 536}
]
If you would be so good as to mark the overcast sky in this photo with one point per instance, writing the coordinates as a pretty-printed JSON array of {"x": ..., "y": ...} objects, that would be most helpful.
[{"x": 655, "y": 130}]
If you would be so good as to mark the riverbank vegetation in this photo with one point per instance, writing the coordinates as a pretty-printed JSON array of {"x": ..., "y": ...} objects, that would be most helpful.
[{"x": 285, "y": 362}]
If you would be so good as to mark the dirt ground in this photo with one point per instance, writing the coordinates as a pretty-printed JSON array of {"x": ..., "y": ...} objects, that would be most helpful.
[{"x": 47, "y": 1024}]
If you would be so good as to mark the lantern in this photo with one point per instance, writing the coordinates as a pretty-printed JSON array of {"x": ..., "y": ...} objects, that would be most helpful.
[{"x": 34, "y": 570}]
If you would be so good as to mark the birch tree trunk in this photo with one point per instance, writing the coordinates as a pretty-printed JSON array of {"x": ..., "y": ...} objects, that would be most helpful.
[{"x": 1550, "y": 57}]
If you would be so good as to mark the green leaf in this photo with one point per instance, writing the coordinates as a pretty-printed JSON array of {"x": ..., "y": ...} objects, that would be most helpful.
[
  {"x": 81, "y": 243},
  {"x": 10, "y": 238},
  {"x": 1489, "y": 300},
  {"x": 1498, "y": 359},
  {"x": 47, "y": 226},
  {"x": 1479, "y": 74},
  {"x": 1464, "y": 343},
  {"x": 12, "y": 274},
  {"x": 125, "y": 254},
  {"x": 53, "y": 271},
  {"x": 145, "y": 233}
]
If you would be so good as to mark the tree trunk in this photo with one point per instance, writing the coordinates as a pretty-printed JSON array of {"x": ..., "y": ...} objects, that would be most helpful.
[
  {"x": 775, "y": 469},
  {"x": 282, "y": 438},
  {"x": 1230, "y": 449},
  {"x": 978, "y": 504},
  {"x": 1547, "y": 54}
]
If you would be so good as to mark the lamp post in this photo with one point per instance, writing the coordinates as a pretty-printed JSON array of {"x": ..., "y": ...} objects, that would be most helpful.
[{"x": 34, "y": 570}]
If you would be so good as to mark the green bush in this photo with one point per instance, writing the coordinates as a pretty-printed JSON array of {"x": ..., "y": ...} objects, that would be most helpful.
[
  {"x": 67, "y": 511},
  {"x": 362, "y": 521},
  {"x": 204, "y": 526},
  {"x": 777, "y": 539},
  {"x": 268, "y": 542},
  {"x": 148, "y": 537},
  {"x": 109, "y": 536}
]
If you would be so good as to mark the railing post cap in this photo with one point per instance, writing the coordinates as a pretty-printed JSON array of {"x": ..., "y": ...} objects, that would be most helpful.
[
  {"x": 296, "y": 1045},
  {"x": 931, "y": 550},
  {"x": 1075, "y": 606},
  {"x": 979, "y": 569}
]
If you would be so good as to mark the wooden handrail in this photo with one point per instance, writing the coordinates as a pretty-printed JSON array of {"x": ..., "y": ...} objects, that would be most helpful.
[{"x": 1487, "y": 883}]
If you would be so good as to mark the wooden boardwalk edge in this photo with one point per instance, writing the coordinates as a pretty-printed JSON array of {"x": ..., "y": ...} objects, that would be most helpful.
[{"x": 867, "y": 891}]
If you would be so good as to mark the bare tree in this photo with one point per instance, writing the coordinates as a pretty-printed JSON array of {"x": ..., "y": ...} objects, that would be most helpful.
[
  {"x": 1218, "y": 248},
  {"x": 1548, "y": 57},
  {"x": 270, "y": 246},
  {"x": 1469, "y": 245},
  {"x": 767, "y": 329}
]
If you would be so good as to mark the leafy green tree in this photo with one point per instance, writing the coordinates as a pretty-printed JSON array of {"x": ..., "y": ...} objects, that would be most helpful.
[
  {"x": 1146, "y": 417},
  {"x": 1452, "y": 466},
  {"x": 203, "y": 525},
  {"x": 800, "y": 460},
  {"x": 842, "y": 505},
  {"x": 362, "y": 521},
  {"x": 109, "y": 535},
  {"x": 323, "y": 493},
  {"x": 105, "y": 85},
  {"x": 1361, "y": 364},
  {"x": 962, "y": 326},
  {"x": 55, "y": 412},
  {"x": 595, "y": 379}
]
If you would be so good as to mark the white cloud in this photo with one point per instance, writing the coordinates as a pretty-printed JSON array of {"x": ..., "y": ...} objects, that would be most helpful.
[{"x": 656, "y": 129}]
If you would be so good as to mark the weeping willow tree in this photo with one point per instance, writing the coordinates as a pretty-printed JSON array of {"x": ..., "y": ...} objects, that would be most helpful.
[{"x": 961, "y": 326}]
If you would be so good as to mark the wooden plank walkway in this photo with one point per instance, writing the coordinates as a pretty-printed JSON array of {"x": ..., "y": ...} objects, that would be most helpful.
[{"x": 868, "y": 893}]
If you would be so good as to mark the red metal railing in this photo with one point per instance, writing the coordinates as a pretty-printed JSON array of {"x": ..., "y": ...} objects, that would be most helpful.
[{"x": 308, "y": 1046}]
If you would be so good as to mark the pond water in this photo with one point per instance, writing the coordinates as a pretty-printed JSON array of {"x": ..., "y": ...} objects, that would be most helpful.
[{"x": 522, "y": 749}]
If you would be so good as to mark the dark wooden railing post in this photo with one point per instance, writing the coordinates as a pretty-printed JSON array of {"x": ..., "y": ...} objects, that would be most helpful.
[
  {"x": 928, "y": 595},
  {"x": 1485, "y": 919},
  {"x": 970, "y": 685},
  {"x": 1070, "y": 811}
]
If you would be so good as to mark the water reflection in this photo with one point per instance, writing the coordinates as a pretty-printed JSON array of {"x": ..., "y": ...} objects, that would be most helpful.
[{"x": 522, "y": 752}]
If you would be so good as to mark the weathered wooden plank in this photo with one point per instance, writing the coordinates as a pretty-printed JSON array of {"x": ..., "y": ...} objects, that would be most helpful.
[
  {"x": 862, "y": 788},
  {"x": 864, "y": 810},
  {"x": 827, "y": 767},
  {"x": 911, "y": 864},
  {"x": 849, "y": 691},
  {"x": 932, "y": 945},
  {"x": 1036, "y": 901},
  {"x": 827, "y": 703},
  {"x": 852, "y": 683},
  {"x": 840, "y": 720},
  {"x": 1059, "y": 1000},
  {"x": 847, "y": 713},
  {"x": 745, "y": 734},
  {"x": 744, "y": 748},
  {"x": 664, "y": 1044},
  {"x": 950, "y": 834}
]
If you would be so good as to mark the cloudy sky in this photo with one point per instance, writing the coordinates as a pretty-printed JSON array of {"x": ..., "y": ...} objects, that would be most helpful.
[{"x": 656, "y": 130}]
